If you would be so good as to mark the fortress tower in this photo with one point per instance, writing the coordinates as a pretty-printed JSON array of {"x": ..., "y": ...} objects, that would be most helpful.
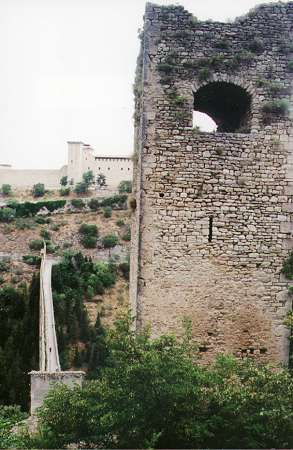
[{"x": 212, "y": 224}]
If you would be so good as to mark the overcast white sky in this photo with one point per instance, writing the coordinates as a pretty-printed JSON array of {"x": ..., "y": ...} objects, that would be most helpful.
[{"x": 66, "y": 73}]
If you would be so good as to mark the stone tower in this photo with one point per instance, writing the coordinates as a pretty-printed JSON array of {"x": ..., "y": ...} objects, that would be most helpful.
[{"x": 212, "y": 224}]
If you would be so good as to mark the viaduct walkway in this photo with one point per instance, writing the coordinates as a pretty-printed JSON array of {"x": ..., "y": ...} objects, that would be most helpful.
[
  {"x": 50, "y": 371},
  {"x": 49, "y": 356}
]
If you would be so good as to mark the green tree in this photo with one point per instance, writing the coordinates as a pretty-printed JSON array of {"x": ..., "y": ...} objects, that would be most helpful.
[
  {"x": 38, "y": 190},
  {"x": 153, "y": 393},
  {"x": 6, "y": 189},
  {"x": 7, "y": 214},
  {"x": 81, "y": 188},
  {"x": 107, "y": 212},
  {"x": 88, "y": 241},
  {"x": 18, "y": 341},
  {"x": 125, "y": 187},
  {"x": 9, "y": 417},
  {"x": 36, "y": 244},
  {"x": 109, "y": 241},
  {"x": 64, "y": 191},
  {"x": 64, "y": 180},
  {"x": 89, "y": 229},
  {"x": 88, "y": 177},
  {"x": 101, "y": 180},
  {"x": 74, "y": 279}
]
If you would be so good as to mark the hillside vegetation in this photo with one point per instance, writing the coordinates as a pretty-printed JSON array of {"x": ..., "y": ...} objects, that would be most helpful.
[{"x": 90, "y": 288}]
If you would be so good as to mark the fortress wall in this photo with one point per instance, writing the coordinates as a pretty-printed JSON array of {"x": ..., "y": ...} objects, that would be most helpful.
[
  {"x": 115, "y": 169},
  {"x": 81, "y": 159},
  {"x": 27, "y": 178},
  {"x": 214, "y": 211}
]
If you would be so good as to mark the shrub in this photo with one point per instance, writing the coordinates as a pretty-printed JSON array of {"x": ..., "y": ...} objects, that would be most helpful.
[
  {"x": 90, "y": 292},
  {"x": 116, "y": 201},
  {"x": 32, "y": 260},
  {"x": 287, "y": 268},
  {"x": 38, "y": 190},
  {"x": 88, "y": 177},
  {"x": 107, "y": 212},
  {"x": 64, "y": 192},
  {"x": 124, "y": 268},
  {"x": 28, "y": 209},
  {"x": 120, "y": 223},
  {"x": 126, "y": 236},
  {"x": 256, "y": 45},
  {"x": 125, "y": 187},
  {"x": 132, "y": 203},
  {"x": 279, "y": 107},
  {"x": 64, "y": 181},
  {"x": 55, "y": 226},
  {"x": 275, "y": 87},
  {"x": 42, "y": 220},
  {"x": 88, "y": 229},
  {"x": 244, "y": 56},
  {"x": 36, "y": 244},
  {"x": 89, "y": 241},
  {"x": 7, "y": 214},
  {"x": 24, "y": 224},
  {"x": 94, "y": 204},
  {"x": 106, "y": 273},
  {"x": 101, "y": 180},
  {"x": 9, "y": 417},
  {"x": 45, "y": 234},
  {"x": 222, "y": 44},
  {"x": 204, "y": 74},
  {"x": 165, "y": 68},
  {"x": 110, "y": 240},
  {"x": 77, "y": 203},
  {"x": 81, "y": 188},
  {"x": 6, "y": 189},
  {"x": 155, "y": 387},
  {"x": 290, "y": 66},
  {"x": 4, "y": 266},
  {"x": 50, "y": 247}
]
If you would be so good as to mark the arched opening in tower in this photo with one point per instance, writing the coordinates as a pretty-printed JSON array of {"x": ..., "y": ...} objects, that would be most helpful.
[
  {"x": 227, "y": 104},
  {"x": 203, "y": 122}
]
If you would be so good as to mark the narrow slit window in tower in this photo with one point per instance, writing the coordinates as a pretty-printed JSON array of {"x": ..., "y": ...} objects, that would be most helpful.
[{"x": 211, "y": 229}]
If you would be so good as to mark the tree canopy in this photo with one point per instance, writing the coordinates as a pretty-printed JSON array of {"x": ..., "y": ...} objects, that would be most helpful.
[{"x": 154, "y": 394}]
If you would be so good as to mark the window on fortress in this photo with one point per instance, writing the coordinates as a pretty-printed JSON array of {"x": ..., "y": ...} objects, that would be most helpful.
[{"x": 226, "y": 105}]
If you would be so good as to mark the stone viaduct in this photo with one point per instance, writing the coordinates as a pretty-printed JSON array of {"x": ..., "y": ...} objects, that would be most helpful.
[{"x": 213, "y": 219}]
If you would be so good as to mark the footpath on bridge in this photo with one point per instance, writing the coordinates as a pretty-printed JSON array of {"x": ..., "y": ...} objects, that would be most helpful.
[{"x": 50, "y": 371}]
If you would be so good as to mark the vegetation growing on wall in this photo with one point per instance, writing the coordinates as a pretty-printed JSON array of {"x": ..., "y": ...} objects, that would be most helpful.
[{"x": 276, "y": 107}]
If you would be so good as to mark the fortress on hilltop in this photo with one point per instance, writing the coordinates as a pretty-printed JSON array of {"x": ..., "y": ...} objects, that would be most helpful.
[
  {"x": 213, "y": 219},
  {"x": 81, "y": 158}
]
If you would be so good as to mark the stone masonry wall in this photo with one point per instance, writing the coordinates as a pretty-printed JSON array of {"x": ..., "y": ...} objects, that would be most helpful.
[{"x": 229, "y": 283}]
